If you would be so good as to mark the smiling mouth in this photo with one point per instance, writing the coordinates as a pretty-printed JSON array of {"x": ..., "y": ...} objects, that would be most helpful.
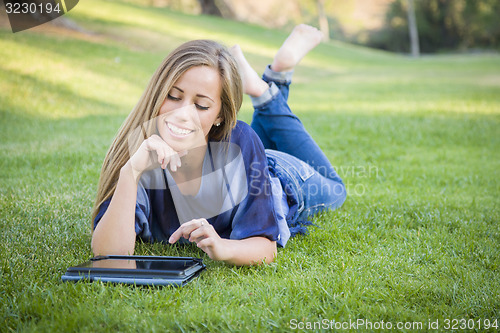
[{"x": 178, "y": 131}]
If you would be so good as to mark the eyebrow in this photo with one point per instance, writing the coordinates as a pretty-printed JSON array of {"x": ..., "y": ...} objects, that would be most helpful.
[{"x": 198, "y": 95}]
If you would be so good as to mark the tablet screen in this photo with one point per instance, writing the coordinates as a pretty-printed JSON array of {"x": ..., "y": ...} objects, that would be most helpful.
[
  {"x": 159, "y": 265},
  {"x": 110, "y": 264}
]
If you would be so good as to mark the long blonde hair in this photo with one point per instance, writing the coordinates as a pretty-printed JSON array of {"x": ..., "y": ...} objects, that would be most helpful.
[{"x": 188, "y": 55}]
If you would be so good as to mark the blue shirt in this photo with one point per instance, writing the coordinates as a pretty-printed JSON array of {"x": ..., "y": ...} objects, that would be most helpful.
[{"x": 236, "y": 195}]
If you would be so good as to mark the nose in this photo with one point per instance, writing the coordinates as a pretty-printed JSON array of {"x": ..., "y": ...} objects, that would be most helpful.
[{"x": 186, "y": 114}]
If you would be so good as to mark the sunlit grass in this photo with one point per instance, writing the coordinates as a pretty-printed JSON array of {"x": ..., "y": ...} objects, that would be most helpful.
[{"x": 416, "y": 142}]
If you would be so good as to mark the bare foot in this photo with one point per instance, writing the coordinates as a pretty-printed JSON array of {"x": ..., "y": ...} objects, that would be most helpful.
[
  {"x": 302, "y": 40},
  {"x": 253, "y": 85}
]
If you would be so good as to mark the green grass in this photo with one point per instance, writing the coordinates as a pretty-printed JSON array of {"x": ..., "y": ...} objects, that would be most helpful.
[{"x": 416, "y": 142}]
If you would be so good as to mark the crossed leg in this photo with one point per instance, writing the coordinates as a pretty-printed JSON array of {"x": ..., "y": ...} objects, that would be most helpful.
[
  {"x": 278, "y": 128},
  {"x": 302, "y": 40},
  {"x": 281, "y": 131}
]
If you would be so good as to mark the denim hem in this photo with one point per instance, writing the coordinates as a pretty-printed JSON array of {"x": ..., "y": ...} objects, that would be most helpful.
[
  {"x": 280, "y": 77},
  {"x": 266, "y": 97}
]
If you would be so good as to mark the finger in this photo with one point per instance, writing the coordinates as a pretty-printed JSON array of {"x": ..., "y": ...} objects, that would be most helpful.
[
  {"x": 177, "y": 235},
  {"x": 174, "y": 162},
  {"x": 194, "y": 227},
  {"x": 206, "y": 245},
  {"x": 163, "y": 150},
  {"x": 178, "y": 160},
  {"x": 154, "y": 147},
  {"x": 199, "y": 234},
  {"x": 168, "y": 156},
  {"x": 157, "y": 146},
  {"x": 206, "y": 242},
  {"x": 173, "y": 167},
  {"x": 185, "y": 230},
  {"x": 161, "y": 158}
]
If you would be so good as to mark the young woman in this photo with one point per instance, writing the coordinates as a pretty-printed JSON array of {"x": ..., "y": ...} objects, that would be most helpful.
[{"x": 183, "y": 169}]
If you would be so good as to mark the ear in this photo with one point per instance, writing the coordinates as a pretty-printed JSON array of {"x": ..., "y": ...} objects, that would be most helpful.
[{"x": 218, "y": 121}]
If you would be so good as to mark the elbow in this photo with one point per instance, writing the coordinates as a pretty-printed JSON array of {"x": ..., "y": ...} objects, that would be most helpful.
[
  {"x": 271, "y": 254},
  {"x": 269, "y": 260},
  {"x": 251, "y": 252}
]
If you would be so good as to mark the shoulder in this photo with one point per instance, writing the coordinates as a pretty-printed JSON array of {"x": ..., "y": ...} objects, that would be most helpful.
[
  {"x": 242, "y": 133},
  {"x": 243, "y": 140},
  {"x": 248, "y": 142}
]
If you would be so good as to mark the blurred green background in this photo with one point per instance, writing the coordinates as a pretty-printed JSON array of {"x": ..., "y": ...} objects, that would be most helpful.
[{"x": 451, "y": 25}]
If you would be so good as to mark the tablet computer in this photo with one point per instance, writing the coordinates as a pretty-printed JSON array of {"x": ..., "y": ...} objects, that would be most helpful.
[{"x": 137, "y": 270}]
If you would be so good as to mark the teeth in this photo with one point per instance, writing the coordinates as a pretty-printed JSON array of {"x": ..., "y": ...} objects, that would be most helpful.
[{"x": 178, "y": 130}]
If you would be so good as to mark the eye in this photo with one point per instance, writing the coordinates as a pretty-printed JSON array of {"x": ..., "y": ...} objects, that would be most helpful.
[
  {"x": 203, "y": 108},
  {"x": 170, "y": 97}
]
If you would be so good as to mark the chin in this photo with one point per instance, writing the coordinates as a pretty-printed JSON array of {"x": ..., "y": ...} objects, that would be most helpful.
[{"x": 187, "y": 143}]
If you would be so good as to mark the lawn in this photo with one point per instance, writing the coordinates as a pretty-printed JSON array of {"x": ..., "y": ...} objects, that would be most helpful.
[{"x": 416, "y": 141}]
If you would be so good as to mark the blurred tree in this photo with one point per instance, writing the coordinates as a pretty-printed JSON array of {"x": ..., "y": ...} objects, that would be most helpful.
[
  {"x": 209, "y": 7},
  {"x": 323, "y": 20},
  {"x": 442, "y": 25},
  {"x": 217, "y": 8},
  {"x": 313, "y": 12},
  {"x": 412, "y": 25}
]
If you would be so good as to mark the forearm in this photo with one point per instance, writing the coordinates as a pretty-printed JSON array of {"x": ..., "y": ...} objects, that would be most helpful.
[
  {"x": 115, "y": 233},
  {"x": 250, "y": 251}
]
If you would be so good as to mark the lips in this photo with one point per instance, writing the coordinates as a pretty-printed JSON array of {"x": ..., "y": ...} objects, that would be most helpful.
[{"x": 178, "y": 131}]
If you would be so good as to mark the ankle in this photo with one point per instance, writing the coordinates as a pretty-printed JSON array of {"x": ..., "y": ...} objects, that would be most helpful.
[
  {"x": 271, "y": 91},
  {"x": 257, "y": 89},
  {"x": 282, "y": 62}
]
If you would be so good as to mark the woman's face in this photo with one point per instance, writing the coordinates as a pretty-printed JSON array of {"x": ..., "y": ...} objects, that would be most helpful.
[{"x": 191, "y": 108}]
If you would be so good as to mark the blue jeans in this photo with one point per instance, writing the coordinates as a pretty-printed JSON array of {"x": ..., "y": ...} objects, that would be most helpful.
[{"x": 306, "y": 175}]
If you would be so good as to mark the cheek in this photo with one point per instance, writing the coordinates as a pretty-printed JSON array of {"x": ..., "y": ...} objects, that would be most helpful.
[
  {"x": 208, "y": 120},
  {"x": 160, "y": 125},
  {"x": 165, "y": 108},
  {"x": 206, "y": 124}
]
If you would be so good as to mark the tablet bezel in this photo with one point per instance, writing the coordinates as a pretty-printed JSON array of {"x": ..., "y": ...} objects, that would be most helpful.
[{"x": 136, "y": 276}]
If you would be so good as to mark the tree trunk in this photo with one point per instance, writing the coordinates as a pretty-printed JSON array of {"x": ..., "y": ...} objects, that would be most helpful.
[
  {"x": 412, "y": 26},
  {"x": 209, "y": 7},
  {"x": 323, "y": 20}
]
